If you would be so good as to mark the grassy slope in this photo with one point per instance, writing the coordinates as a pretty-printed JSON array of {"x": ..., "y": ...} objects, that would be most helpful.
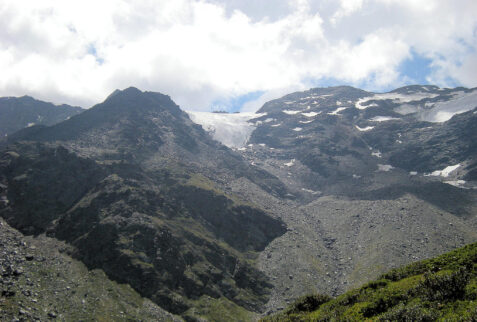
[{"x": 441, "y": 288}]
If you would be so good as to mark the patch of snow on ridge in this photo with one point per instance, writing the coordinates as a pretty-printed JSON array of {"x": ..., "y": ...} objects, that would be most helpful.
[
  {"x": 339, "y": 109},
  {"x": 444, "y": 172},
  {"x": 30, "y": 124},
  {"x": 376, "y": 154},
  {"x": 291, "y": 112},
  {"x": 311, "y": 191},
  {"x": 364, "y": 129},
  {"x": 444, "y": 111},
  {"x": 395, "y": 97},
  {"x": 231, "y": 129},
  {"x": 385, "y": 167},
  {"x": 291, "y": 163},
  {"x": 311, "y": 114},
  {"x": 383, "y": 118},
  {"x": 297, "y": 129},
  {"x": 306, "y": 122},
  {"x": 456, "y": 183}
]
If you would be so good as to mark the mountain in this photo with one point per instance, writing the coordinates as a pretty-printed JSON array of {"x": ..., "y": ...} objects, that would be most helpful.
[
  {"x": 376, "y": 180},
  {"x": 20, "y": 112},
  {"x": 136, "y": 189},
  {"x": 441, "y": 288},
  {"x": 318, "y": 192}
]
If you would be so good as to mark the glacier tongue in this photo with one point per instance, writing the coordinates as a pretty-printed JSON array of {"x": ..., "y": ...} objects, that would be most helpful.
[{"x": 231, "y": 129}]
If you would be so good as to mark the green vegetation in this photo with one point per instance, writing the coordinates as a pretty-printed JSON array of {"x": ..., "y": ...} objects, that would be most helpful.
[
  {"x": 220, "y": 309},
  {"x": 442, "y": 288}
]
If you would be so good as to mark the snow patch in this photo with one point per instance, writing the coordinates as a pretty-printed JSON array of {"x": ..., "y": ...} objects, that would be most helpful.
[
  {"x": 364, "y": 129},
  {"x": 444, "y": 111},
  {"x": 395, "y": 97},
  {"x": 456, "y": 183},
  {"x": 311, "y": 114},
  {"x": 30, "y": 124},
  {"x": 339, "y": 109},
  {"x": 291, "y": 112},
  {"x": 383, "y": 118},
  {"x": 297, "y": 129},
  {"x": 276, "y": 125},
  {"x": 289, "y": 164},
  {"x": 306, "y": 122},
  {"x": 311, "y": 191},
  {"x": 413, "y": 173},
  {"x": 376, "y": 154},
  {"x": 385, "y": 167},
  {"x": 444, "y": 172},
  {"x": 355, "y": 176}
]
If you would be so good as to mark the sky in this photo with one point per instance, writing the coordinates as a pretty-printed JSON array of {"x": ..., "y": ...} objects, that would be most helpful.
[{"x": 231, "y": 54}]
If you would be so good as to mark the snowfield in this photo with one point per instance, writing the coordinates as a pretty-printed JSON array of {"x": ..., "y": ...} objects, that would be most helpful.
[
  {"x": 395, "y": 97},
  {"x": 444, "y": 111}
]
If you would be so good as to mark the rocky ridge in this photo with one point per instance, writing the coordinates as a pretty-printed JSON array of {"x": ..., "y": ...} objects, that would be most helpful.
[{"x": 17, "y": 113}]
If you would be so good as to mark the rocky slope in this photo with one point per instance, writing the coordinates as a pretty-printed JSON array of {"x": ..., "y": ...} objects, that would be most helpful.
[
  {"x": 136, "y": 189},
  {"x": 375, "y": 181},
  {"x": 40, "y": 282},
  {"x": 438, "y": 289},
  {"x": 20, "y": 112}
]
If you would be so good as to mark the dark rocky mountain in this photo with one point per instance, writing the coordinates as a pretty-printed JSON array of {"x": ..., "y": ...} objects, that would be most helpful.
[
  {"x": 136, "y": 189},
  {"x": 333, "y": 187},
  {"x": 20, "y": 112}
]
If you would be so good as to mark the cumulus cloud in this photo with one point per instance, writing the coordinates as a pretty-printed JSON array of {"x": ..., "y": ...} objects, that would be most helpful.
[{"x": 200, "y": 52}]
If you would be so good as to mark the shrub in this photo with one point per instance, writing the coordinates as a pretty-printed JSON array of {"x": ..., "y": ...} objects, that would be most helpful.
[
  {"x": 308, "y": 303},
  {"x": 409, "y": 313},
  {"x": 445, "y": 286}
]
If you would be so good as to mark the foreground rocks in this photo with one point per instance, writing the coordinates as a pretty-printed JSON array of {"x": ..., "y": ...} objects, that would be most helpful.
[{"x": 40, "y": 282}]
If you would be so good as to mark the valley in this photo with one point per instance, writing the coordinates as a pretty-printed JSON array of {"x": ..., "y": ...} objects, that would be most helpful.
[{"x": 318, "y": 192}]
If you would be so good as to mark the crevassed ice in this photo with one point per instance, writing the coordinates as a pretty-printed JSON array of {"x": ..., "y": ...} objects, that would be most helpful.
[{"x": 231, "y": 129}]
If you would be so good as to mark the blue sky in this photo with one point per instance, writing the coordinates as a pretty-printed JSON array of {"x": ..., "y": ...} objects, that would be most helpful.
[{"x": 231, "y": 54}]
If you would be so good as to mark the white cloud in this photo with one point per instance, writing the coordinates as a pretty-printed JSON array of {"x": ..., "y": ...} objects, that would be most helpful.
[{"x": 200, "y": 51}]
